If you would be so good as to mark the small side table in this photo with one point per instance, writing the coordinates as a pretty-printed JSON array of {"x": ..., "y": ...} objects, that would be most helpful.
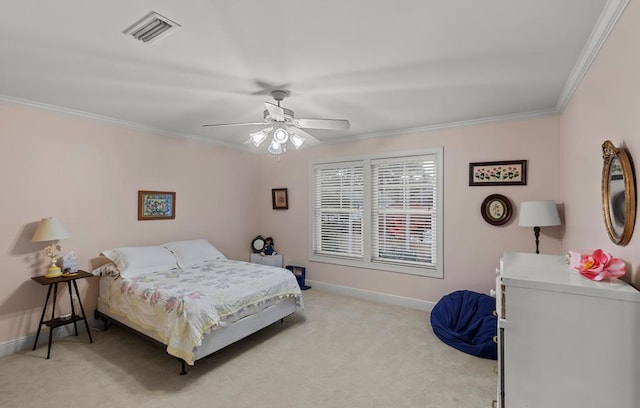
[{"x": 57, "y": 321}]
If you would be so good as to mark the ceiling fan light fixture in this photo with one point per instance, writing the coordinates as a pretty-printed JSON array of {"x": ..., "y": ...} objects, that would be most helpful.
[
  {"x": 274, "y": 147},
  {"x": 283, "y": 126},
  {"x": 297, "y": 141},
  {"x": 280, "y": 135},
  {"x": 258, "y": 137}
]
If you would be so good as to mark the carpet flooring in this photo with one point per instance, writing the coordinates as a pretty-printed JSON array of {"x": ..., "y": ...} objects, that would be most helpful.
[{"x": 339, "y": 352}]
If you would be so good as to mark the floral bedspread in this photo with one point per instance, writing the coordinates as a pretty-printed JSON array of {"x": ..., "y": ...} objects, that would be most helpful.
[{"x": 182, "y": 305}]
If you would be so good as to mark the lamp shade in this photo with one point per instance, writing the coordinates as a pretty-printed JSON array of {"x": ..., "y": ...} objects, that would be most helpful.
[
  {"x": 280, "y": 135},
  {"x": 50, "y": 229},
  {"x": 274, "y": 147},
  {"x": 258, "y": 137},
  {"x": 538, "y": 214},
  {"x": 297, "y": 141}
]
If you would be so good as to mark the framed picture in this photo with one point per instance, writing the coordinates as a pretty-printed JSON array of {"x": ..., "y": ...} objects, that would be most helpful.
[
  {"x": 496, "y": 209},
  {"x": 156, "y": 205},
  {"x": 498, "y": 173},
  {"x": 279, "y": 199}
]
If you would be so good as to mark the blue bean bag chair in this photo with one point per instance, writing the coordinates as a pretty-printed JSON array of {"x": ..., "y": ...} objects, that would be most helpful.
[{"x": 464, "y": 320}]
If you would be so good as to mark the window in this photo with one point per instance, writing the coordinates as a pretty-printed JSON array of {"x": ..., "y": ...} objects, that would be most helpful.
[{"x": 379, "y": 212}]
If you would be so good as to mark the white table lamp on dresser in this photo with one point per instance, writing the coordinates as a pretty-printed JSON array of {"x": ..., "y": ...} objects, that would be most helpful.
[{"x": 538, "y": 214}]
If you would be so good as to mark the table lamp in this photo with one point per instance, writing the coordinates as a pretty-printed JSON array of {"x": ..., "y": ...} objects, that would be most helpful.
[
  {"x": 538, "y": 214},
  {"x": 51, "y": 229}
]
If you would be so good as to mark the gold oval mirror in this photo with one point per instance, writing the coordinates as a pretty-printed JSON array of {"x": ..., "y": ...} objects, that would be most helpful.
[{"x": 618, "y": 194}]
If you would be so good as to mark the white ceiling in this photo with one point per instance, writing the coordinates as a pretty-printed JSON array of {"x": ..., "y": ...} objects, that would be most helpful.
[{"x": 386, "y": 66}]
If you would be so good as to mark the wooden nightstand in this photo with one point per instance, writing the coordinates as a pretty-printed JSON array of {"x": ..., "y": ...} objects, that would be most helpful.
[{"x": 57, "y": 321}]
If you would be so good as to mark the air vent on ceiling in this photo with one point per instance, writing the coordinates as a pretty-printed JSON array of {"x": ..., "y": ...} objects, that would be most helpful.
[{"x": 151, "y": 27}]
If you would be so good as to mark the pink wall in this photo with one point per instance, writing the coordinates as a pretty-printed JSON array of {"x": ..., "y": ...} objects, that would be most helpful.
[
  {"x": 605, "y": 106},
  {"x": 472, "y": 248},
  {"x": 87, "y": 174}
]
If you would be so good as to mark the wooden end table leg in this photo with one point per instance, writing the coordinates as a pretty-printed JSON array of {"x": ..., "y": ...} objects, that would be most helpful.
[
  {"x": 73, "y": 311},
  {"x": 84, "y": 316},
  {"x": 53, "y": 315},
  {"x": 44, "y": 309}
]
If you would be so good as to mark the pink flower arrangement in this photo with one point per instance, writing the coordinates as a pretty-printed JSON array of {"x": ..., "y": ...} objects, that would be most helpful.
[{"x": 600, "y": 265}]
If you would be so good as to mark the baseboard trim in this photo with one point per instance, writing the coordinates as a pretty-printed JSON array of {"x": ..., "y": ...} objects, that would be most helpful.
[
  {"x": 401, "y": 301},
  {"x": 23, "y": 343}
]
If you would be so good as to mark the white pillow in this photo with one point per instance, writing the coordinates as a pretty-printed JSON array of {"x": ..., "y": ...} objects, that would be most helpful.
[
  {"x": 193, "y": 251},
  {"x": 133, "y": 261}
]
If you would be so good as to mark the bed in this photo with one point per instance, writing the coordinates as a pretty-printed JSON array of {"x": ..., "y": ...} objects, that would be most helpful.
[{"x": 190, "y": 298}]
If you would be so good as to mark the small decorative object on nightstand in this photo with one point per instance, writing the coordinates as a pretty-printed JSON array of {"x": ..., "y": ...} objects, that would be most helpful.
[
  {"x": 257, "y": 244},
  {"x": 69, "y": 278},
  {"x": 300, "y": 273},
  {"x": 269, "y": 248},
  {"x": 70, "y": 262}
]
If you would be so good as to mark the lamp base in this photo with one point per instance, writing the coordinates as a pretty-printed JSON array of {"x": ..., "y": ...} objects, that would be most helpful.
[{"x": 53, "y": 272}]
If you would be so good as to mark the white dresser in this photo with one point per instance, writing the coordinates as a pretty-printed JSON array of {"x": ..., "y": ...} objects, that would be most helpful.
[
  {"x": 273, "y": 260},
  {"x": 564, "y": 340}
]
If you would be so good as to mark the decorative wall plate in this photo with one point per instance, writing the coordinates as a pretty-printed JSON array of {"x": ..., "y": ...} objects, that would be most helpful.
[{"x": 496, "y": 209}]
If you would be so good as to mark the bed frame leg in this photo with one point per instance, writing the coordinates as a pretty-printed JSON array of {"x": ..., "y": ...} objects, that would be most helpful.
[
  {"x": 98, "y": 315},
  {"x": 282, "y": 320},
  {"x": 184, "y": 367}
]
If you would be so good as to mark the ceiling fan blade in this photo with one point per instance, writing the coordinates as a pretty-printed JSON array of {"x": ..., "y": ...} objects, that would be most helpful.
[
  {"x": 276, "y": 112},
  {"x": 266, "y": 87},
  {"x": 331, "y": 124},
  {"x": 234, "y": 124},
  {"x": 310, "y": 140}
]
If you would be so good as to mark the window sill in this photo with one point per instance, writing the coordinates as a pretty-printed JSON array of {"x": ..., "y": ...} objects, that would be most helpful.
[{"x": 381, "y": 266}]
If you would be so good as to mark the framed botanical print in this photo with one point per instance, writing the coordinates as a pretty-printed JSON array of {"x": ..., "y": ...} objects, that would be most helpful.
[
  {"x": 156, "y": 205},
  {"x": 498, "y": 173}
]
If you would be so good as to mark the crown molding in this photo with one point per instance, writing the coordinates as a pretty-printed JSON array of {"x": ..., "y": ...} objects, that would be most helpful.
[
  {"x": 607, "y": 20},
  {"x": 10, "y": 100},
  {"x": 450, "y": 125}
]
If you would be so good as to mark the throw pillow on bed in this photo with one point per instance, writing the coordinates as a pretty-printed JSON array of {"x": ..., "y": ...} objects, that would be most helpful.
[
  {"x": 194, "y": 251},
  {"x": 133, "y": 261}
]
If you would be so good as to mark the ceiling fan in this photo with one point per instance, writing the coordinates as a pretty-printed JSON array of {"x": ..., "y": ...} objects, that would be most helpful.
[{"x": 284, "y": 127}]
